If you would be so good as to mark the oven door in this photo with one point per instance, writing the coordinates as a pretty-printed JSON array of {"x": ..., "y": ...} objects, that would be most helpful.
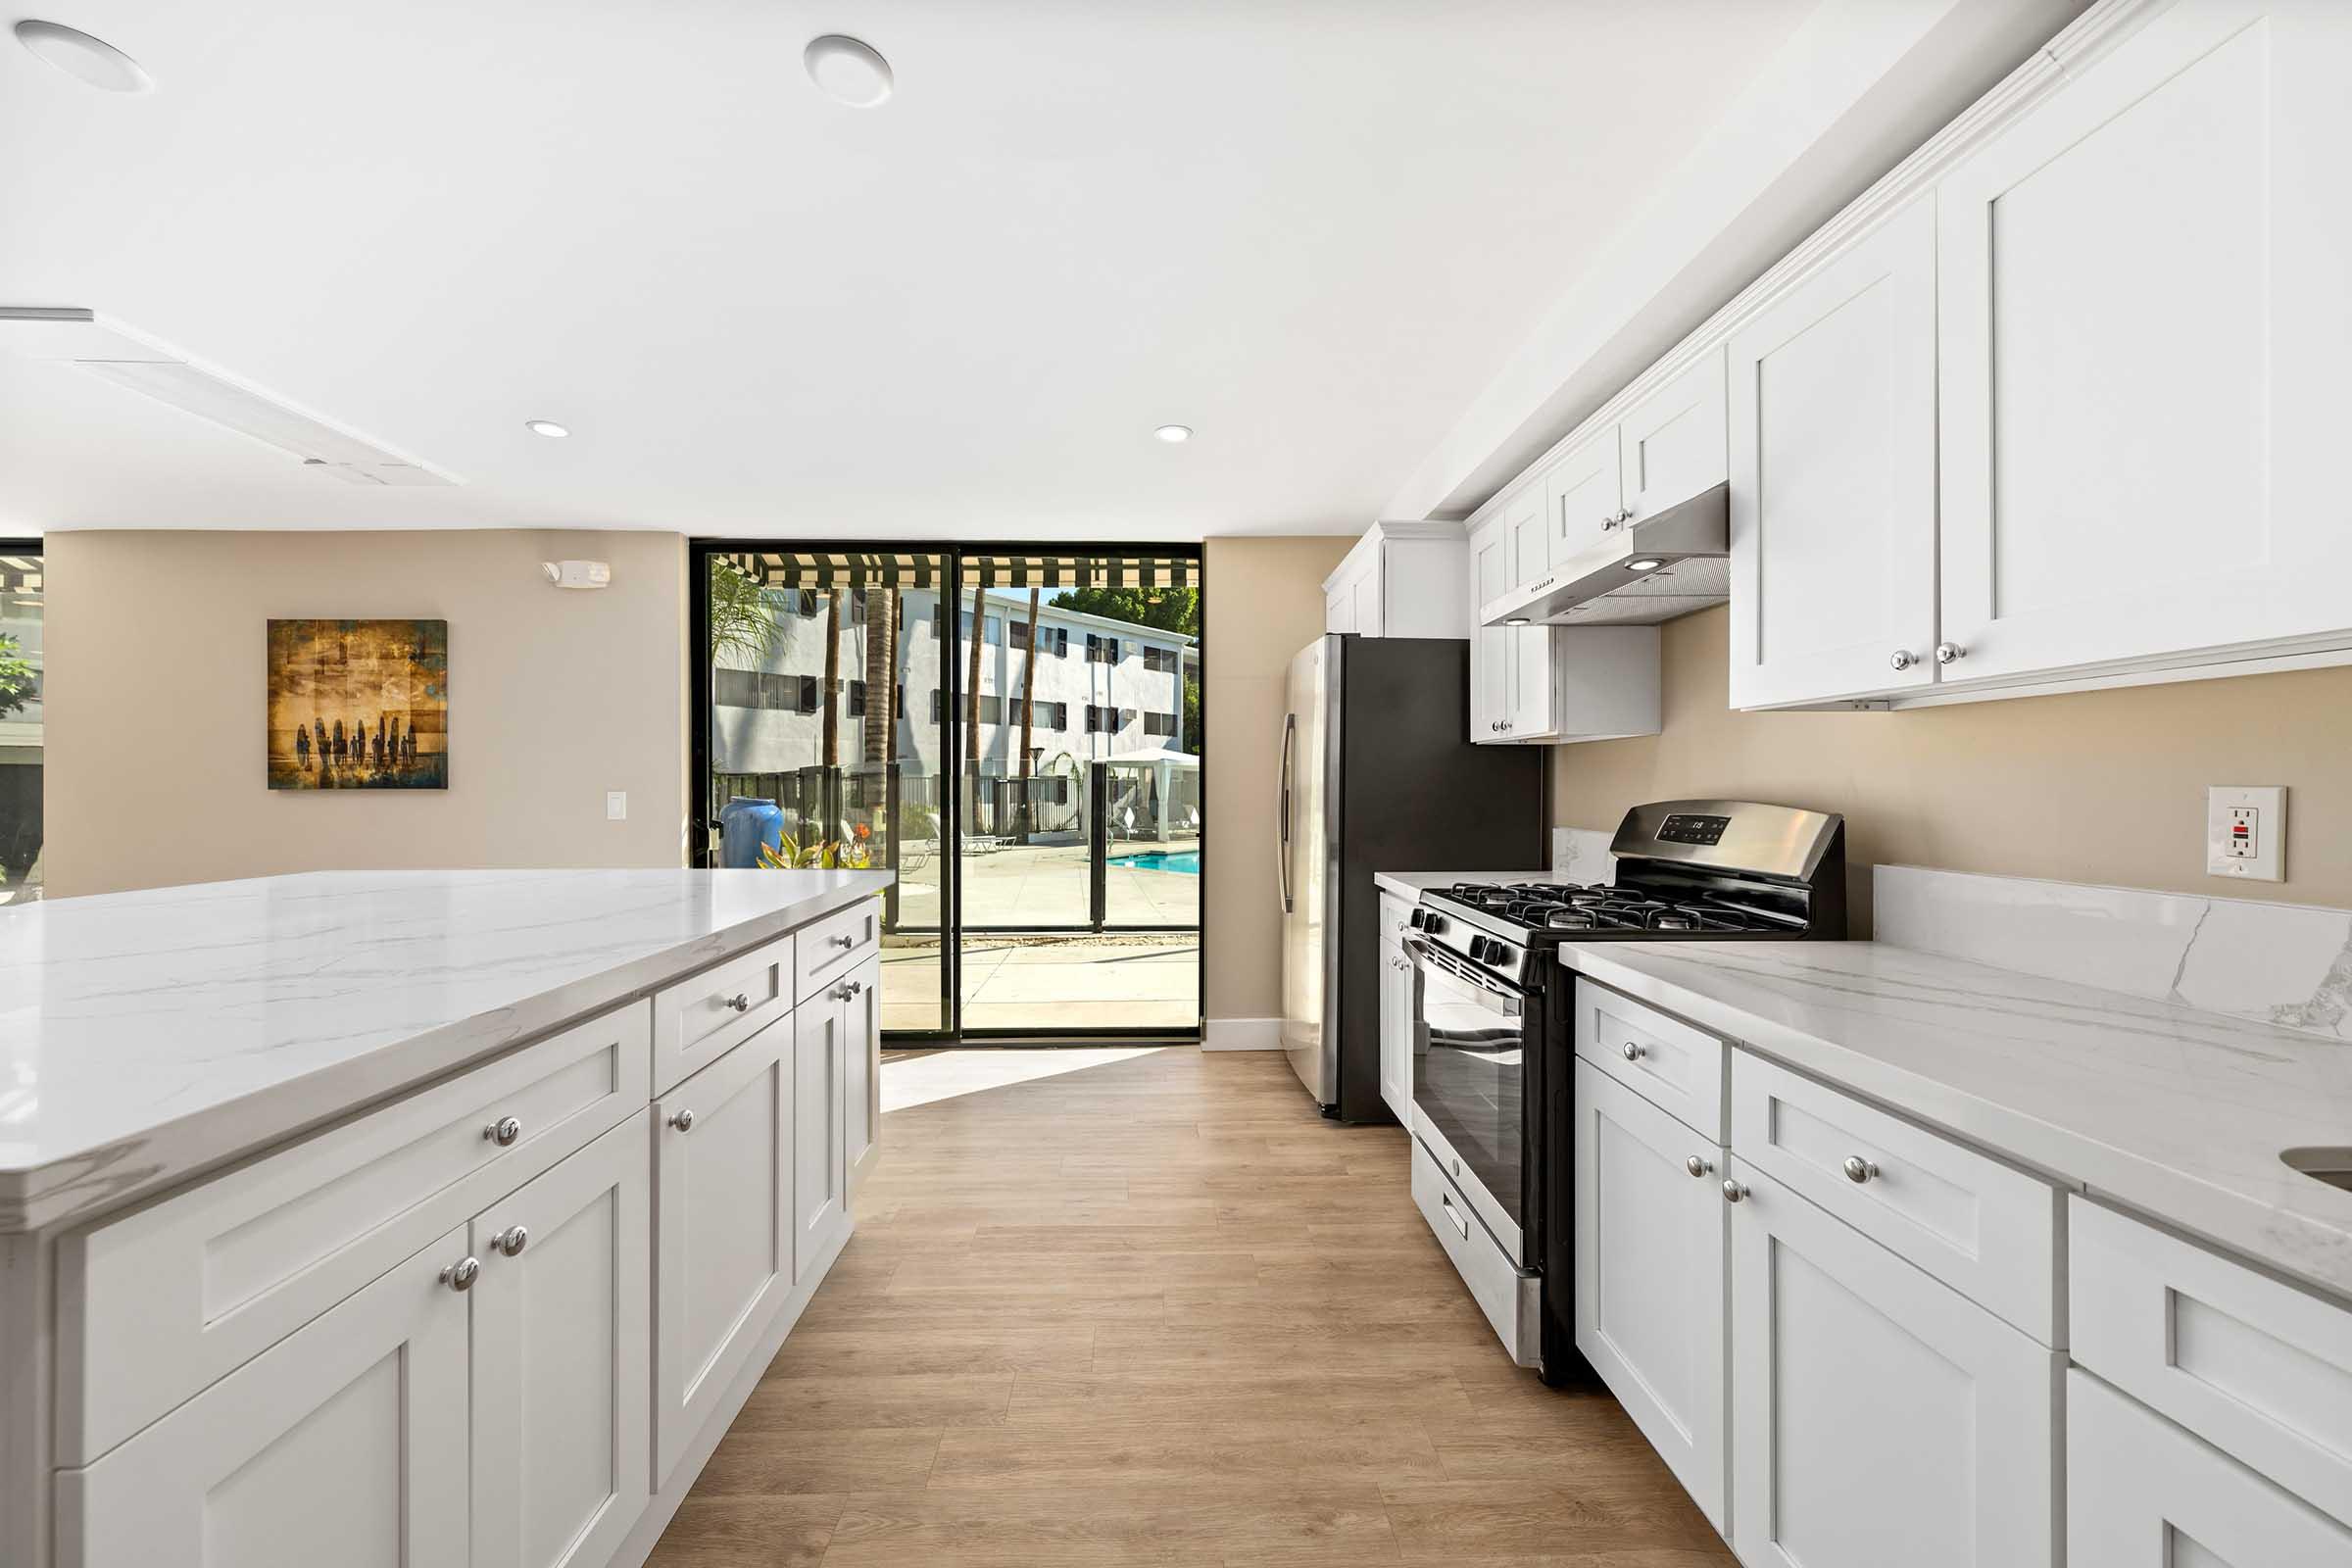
[{"x": 1469, "y": 1086}]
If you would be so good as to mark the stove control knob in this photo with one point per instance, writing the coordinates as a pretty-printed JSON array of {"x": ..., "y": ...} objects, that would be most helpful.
[
  {"x": 1434, "y": 924},
  {"x": 1417, "y": 917}
]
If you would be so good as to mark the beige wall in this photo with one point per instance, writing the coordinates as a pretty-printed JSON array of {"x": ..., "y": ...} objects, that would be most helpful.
[
  {"x": 156, "y": 686},
  {"x": 2088, "y": 787},
  {"x": 1262, "y": 602}
]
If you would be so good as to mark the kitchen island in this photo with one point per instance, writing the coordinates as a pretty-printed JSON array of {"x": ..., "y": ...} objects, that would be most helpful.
[{"x": 447, "y": 1214}]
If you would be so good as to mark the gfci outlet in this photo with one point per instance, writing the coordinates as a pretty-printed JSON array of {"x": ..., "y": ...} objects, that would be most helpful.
[{"x": 2245, "y": 832}]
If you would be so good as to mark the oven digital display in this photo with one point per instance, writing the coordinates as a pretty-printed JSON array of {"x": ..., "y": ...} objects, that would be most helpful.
[{"x": 1689, "y": 828}]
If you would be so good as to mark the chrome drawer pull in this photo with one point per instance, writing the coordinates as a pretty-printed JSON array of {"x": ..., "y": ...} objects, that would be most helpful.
[
  {"x": 741, "y": 1002},
  {"x": 503, "y": 1132},
  {"x": 682, "y": 1120},
  {"x": 1858, "y": 1169},
  {"x": 1733, "y": 1191},
  {"x": 843, "y": 942},
  {"x": 510, "y": 1241},
  {"x": 1632, "y": 1052},
  {"x": 460, "y": 1275},
  {"x": 1697, "y": 1167}
]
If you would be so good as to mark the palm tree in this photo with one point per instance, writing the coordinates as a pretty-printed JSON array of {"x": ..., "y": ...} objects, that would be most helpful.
[
  {"x": 881, "y": 655},
  {"x": 1028, "y": 713},
  {"x": 832, "y": 685},
  {"x": 971, "y": 700}
]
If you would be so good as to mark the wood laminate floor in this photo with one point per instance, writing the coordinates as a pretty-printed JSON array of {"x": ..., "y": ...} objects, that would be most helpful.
[{"x": 1153, "y": 1309}]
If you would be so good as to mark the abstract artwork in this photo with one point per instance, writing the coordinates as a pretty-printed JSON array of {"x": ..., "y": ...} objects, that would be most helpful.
[{"x": 359, "y": 705}]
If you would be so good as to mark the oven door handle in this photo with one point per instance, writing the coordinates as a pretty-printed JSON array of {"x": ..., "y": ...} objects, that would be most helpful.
[{"x": 1493, "y": 997}]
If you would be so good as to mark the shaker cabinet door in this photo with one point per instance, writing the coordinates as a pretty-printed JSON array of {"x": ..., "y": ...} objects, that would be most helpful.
[
  {"x": 1832, "y": 465},
  {"x": 1649, "y": 1276},
  {"x": 822, "y": 1048},
  {"x": 1675, "y": 442},
  {"x": 1580, "y": 495},
  {"x": 1489, "y": 647},
  {"x": 722, "y": 1226},
  {"x": 347, "y": 1439},
  {"x": 862, "y": 1089},
  {"x": 561, "y": 1412},
  {"x": 1878, "y": 1415},
  {"x": 2144, "y": 341}
]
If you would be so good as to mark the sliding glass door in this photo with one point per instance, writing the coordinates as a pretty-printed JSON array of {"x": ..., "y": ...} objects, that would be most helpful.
[{"x": 1015, "y": 732}]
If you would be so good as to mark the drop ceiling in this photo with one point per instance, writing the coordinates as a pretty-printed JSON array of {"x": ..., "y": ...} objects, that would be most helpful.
[{"x": 1312, "y": 232}]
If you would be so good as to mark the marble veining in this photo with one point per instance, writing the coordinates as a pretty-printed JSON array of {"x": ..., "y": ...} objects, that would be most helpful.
[
  {"x": 2289, "y": 964},
  {"x": 145, "y": 1035},
  {"x": 2176, "y": 1111},
  {"x": 1582, "y": 855}
]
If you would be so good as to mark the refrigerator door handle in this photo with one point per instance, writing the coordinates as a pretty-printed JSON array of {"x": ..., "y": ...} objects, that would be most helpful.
[{"x": 1282, "y": 812}]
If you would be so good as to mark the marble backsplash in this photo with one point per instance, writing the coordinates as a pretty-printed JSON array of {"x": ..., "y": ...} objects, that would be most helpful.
[
  {"x": 1582, "y": 855},
  {"x": 2280, "y": 963}
]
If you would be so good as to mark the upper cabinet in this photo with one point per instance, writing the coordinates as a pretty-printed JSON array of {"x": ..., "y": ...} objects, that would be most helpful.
[
  {"x": 1673, "y": 444},
  {"x": 2144, "y": 330},
  {"x": 1402, "y": 579},
  {"x": 1833, "y": 410},
  {"x": 1583, "y": 497}
]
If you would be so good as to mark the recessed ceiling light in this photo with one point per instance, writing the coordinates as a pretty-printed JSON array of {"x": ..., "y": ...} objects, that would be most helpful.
[
  {"x": 1516, "y": 620},
  {"x": 1174, "y": 432},
  {"x": 82, "y": 57},
  {"x": 848, "y": 71},
  {"x": 1645, "y": 564},
  {"x": 545, "y": 427}
]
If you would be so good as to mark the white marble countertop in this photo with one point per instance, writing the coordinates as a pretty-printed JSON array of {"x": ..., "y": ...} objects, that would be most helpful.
[
  {"x": 145, "y": 1036},
  {"x": 2176, "y": 1112}
]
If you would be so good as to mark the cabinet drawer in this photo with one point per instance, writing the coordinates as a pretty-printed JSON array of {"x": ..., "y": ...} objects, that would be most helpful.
[
  {"x": 1989, "y": 1231},
  {"x": 2140, "y": 1492},
  {"x": 2257, "y": 1368},
  {"x": 701, "y": 1018},
  {"x": 834, "y": 945},
  {"x": 1667, "y": 1062},
  {"x": 1396, "y": 917},
  {"x": 1507, "y": 1297},
  {"x": 170, "y": 1299}
]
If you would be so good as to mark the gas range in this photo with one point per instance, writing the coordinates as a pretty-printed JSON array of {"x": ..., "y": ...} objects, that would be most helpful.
[{"x": 1705, "y": 870}]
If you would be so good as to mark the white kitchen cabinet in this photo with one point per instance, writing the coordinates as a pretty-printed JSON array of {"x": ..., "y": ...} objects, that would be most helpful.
[
  {"x": 347, "y": 1439},
  {"x": 725, "y": 1145},
  {"x": 1552, "y": 684},
  {"x": 1401, "y": 579},
  {"x": 1877, "y": 1416},
  {"x": 1674, "y": 443},
  {"x": 2143, "y": 1493},
  {"x": 1490, "y": 646},
  {"x": 1397, "y": 1021},
  {"x": 1650, "y": 1226},
  {"x": 1833, "y": 476},
  {"x": 1529, "y": 542},
  {"x": 861, "y": 1088},
  {"x": 818, "y": 1168},
  {"x": 561, "y": 1423},
  {"x": 2143, "y": 338},
  {"x": 1582, "y": 497}
]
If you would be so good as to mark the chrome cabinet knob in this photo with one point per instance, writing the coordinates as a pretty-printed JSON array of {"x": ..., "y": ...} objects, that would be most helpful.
[
  {"x": 1858, "y": 1169},
  {"x": 1733, "y": 1191},
  {"x": 1901, "y": 658},
  {"x": 1697, "y": 1167},
  {"x": 510, "y": 1241},
  {"x": 841, "y": 941},
  {"x": 682, "y": 1120},
  {"x": 460, "y": 1275},
  {"x": 1949, "y": 652},
  {"x": 1632, "y": 1052},
  {"x": 741, "y": 1002},
  {"x": 503, "y": 1132}
]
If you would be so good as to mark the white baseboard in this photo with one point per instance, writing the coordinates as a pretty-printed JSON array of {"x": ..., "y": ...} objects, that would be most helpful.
[{"x": 1241, "y": 1034}]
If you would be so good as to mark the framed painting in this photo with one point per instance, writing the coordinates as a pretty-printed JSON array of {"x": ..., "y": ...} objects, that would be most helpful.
[{"x": 359, "y": 705}]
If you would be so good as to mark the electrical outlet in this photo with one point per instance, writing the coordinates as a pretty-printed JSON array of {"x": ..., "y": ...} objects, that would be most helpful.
[
  {"x": 616, "y": 805},
  {"x": 2245, "y": 832}
]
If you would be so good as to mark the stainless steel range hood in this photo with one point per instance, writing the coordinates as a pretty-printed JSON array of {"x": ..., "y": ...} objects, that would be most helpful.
[{"x": 1665, "y": 566}]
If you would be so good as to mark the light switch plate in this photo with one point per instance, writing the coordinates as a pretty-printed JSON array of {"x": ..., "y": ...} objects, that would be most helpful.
[
  {"x": 616, "y": 805},
  {"x": 2245, "y": 832}
]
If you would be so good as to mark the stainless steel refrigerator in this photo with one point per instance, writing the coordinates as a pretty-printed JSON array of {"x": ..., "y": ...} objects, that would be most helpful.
[{"x": 1377, "y": 774}]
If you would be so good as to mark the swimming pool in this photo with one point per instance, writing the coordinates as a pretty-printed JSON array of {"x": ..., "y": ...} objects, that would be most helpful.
[{"x": 1184, "y": 862}]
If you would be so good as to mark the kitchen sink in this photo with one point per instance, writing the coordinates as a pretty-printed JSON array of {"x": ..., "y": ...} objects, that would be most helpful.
[{"x": 2330, "y": 1165}]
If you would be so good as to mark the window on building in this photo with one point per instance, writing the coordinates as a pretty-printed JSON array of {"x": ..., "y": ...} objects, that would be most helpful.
[
  {"x": 1050, "y": 639},
  {"x": 807, "y": 694},
  {"x": 1160, "y": 723},
  {"x": 856, "y": 698},
  {"x": 939, "y": 705},
  {"x": 1161, "y": 660},
  {"x": 1102, "y": 720},
  {"x": 992, "y": 709},
  {"x": 1100, "y": 650},
  {"x": 991, "y": 628},
  {"x": 856, "y": 610}
]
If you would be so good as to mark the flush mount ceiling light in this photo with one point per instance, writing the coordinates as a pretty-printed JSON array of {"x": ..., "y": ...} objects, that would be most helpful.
[
  {"x": 83, "y": 57},
  {"x": 545, "y": 427},
  {"x": 848, "y": 71},
  {"x": 1173, "y": 433},
  {"x": 1516, "y": 620},
  {"x": 1644, "y": 563}
]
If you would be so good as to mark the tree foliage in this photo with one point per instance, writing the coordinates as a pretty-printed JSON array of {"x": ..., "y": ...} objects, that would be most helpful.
[
  {"x": 19, "y": 680},
  {"x": 1176, "y": 609},
  {"x": 743, "y": 620}
]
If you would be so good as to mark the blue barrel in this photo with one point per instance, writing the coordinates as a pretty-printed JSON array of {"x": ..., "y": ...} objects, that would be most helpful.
[{"x": 748, "y": 823}]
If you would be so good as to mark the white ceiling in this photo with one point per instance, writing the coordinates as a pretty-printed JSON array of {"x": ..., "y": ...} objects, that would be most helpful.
[{"x": 1311, "y": 230}]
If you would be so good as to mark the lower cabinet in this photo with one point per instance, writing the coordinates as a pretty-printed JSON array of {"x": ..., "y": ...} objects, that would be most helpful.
[
  {"x": 484, "y": 1402},
  {"x": 561, "y": 1420},
  {"x": 819, "y": 1169},
  {"x": 1399, "y": 1016},
  {"x": 350, "y": 1431},
  {"x": 1649, "y": 1276},
  {"x": 862, "y": 1094},
  {"x": 2143, "y": 1493},
  {"x": 722, "y": 1231},
  {"x": 1878, "y": 1415}
]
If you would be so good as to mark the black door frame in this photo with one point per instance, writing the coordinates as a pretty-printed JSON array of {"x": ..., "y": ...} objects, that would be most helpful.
[{"x": 952, "y": 930}]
